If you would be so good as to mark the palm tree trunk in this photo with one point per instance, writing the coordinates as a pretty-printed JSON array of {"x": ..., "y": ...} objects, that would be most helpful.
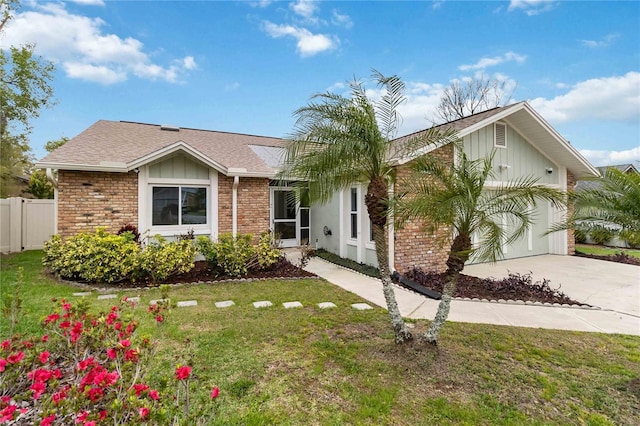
[
  {"x": 376, "y": 201},
  {"x": 458, "y": 255},
  {"x": 402, "y": 334}
]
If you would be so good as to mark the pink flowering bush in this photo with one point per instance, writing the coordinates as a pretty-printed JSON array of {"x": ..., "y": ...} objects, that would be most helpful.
[{"x": 87, "y": 370}]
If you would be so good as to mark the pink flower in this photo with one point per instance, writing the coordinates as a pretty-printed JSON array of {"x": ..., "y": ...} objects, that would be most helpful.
[
  {"x": 3, "y": 364},
  {"x": 82, "y": 365},
  {"x": 111, "y": 353},
  {"x": 15, "y": 358},
  {"x": 144, "y": 412},
  {"x": 124, "y": 343},
  {"x": 44, "y": 357},
  {"x": 139, "y": 388},
  {"x": 81, "y": 416},
  {"x": 48, "y": 421},
  {"x": 59, "y": 396},
  {"x": 38, "y": 389},
  {"x": 183, "y": 372},
  {"x": 65, "y": 324},
  {"x": 102, "y": 414},
  {"x": 159, "y": 318},
  {"x": 6, "y": 345},
  {"x": 215, "y": 392},
  {"x": 131, "y": 355},
  {"x": 153, "y": 394},
  {"x": 52, "y": 318},
  {"x": 6, "y": 414},
  {"x": 90, "y": 423},
  {"x": 45, "y": 338}
]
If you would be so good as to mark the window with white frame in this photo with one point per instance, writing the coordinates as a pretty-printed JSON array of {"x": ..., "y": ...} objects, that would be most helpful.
[
  {"x": 353, "y": 213},
  {"x": 179, "y": 205}
]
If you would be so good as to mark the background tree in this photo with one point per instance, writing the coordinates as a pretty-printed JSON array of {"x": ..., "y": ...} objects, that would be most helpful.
[
  {"x": 39, "y": 185},
  {"x": 612, "y": 204},
  {"x": 339, "y": 142},
  {"x": 471, "y": 96},
  {"x": 24, "y": 89},
  {"x": 454, "y": 196}
]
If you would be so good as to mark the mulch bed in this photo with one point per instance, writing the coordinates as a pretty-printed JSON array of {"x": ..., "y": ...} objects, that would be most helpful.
[
  {"x": 513, "y": 287},
  {"x": 618, "y": 257}
]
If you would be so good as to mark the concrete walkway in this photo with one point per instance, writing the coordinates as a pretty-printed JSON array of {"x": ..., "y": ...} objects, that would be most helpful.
[{"x": 614, "y": 316}]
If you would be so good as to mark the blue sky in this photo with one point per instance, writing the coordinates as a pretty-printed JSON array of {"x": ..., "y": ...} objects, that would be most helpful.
[{"x": 245, "y": 66}]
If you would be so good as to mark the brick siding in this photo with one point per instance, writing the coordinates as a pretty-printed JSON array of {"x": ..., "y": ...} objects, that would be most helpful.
[
  {"x": 253, "y": 205},
  {"x": 87, "y": 200},
  {"x": 414, "y": 246}
]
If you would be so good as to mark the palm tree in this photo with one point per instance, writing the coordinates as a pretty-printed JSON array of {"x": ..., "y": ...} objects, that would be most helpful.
[
  {"x": 340, "y": 141},
  {"x": 613, "y": 203},
  {"x": 454, "y": 195}
]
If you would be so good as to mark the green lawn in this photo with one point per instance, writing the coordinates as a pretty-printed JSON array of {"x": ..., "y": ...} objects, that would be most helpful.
[
  {"x": 340, "y": 366},
  {"x": 605, "y": 251}
]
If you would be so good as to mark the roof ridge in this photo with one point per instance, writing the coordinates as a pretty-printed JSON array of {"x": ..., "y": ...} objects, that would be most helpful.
[{"x": 197, "y": 130}]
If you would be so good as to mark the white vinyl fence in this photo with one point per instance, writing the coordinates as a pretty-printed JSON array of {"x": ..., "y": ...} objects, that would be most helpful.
[{"x": 26, "y": 224}]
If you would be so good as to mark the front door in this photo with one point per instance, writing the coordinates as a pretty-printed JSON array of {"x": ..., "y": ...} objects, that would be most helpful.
[{"x": 289, "y": 219}]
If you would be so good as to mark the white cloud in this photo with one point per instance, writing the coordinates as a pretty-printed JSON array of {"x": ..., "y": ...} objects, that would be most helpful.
[
  {"x": 496, "y": 60},
  {"x": 605, "y": 42},
  {"x": 608, "y": 158},
  {"x": 607, "y": 98},
  {"x": 532, "y": 7},
  {"x": 85, "y": 52},
  {"x": 308, "y": 44},
  {"x": 230, "y": 87},
  {"x": 341, "y": 20},
  {"x": 437, "y": 4},
  {"x": 261, "y": 3},
  {"x": 304, "y": 8}
]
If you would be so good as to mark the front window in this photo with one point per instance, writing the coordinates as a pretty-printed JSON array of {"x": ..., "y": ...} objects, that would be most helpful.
[
  {"x": 354, "y": 213},
  {"x": 179, "y": 205}
]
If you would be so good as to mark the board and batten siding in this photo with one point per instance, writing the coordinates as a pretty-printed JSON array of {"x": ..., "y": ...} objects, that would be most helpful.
[
  {"x": 178, "y": 167},
  {"x": 522, "y": 158}
]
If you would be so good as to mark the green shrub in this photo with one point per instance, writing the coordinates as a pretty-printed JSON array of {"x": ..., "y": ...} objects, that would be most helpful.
[
  {"x": 267, "y": 252},
  {"x": 161, "y": 258},
  {"x": 93, "y": 257},
  {"x": 600, "y": 235},
  {"x": 631, "y": 238},
  {"x": 234, "y": 254},
  {"x": 207, "y": 248}
]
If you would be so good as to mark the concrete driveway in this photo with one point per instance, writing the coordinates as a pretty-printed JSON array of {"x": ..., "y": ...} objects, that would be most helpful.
[{"x": 608, "y": 285}]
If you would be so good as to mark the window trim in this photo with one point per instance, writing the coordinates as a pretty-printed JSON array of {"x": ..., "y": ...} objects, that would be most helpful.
[
  {"x": 353, "y": 212},
  {"x": 179, "y": 228}
]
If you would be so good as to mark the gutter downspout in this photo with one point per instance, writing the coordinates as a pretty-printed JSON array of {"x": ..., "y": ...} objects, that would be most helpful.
[
  {"x": 234, "y": 206},
  {"x": 52, "y": 178}
]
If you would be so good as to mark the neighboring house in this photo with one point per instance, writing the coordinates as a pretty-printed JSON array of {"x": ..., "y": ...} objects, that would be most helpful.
[
  {"x": 591, "y": 184},
  {"x": 168, "y": 180}
]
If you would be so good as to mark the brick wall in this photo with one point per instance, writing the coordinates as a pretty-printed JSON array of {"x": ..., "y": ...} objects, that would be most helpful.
[
  {"x": 253, "y": 205},
  {"x": 87, "y": 200},
  {"x": 571, "y": 240},
  {"x": 414, "y": 246}
]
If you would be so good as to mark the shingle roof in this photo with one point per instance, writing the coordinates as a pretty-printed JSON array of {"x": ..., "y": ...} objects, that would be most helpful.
[{"x": 111, "y": 145}]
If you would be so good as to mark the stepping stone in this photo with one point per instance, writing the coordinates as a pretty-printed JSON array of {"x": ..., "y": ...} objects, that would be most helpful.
[
  {"x": 262, "y": 304},
  {"x": 289, "y": 305},
  {"x": 186, "y": 303},
  {"x": 326, "y": 305},
  {"x": 361, "y": 306},
  {"x": 83, "y": 294},
  {"x": 156, "y": 301},
  {"x": 134, "y": 299},
  {"x": 107, "y": 296},
  {"x": 224, "y": 304}
]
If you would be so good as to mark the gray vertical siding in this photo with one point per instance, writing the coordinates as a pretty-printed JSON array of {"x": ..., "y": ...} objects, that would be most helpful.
[
  {"x": 524, "y": 159},
  {"x": 326, "y": 215},
  {"x": 178, "y": 167}
]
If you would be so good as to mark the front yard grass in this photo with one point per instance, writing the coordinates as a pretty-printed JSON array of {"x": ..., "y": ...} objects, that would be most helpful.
[
  {"x": 606, "y": 251},
  {"x": 340, "y": 366}
]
